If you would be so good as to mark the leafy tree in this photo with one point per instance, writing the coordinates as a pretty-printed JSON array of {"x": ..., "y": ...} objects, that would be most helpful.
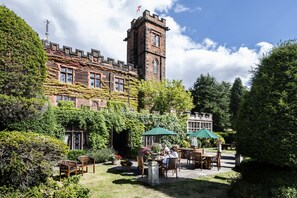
[
  {"x": 26, "y": 159},
  {"x": 22, "y": 68},
  {"x": 164, "y": 96},
  {"x": 237, "y": 92},
  {"x": 212, "y": 97},
  {"x": 267, "y": 119}
]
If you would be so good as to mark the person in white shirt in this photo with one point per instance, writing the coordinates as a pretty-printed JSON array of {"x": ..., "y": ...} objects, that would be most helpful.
[
  {"x": 166, "y": 150},
  {"x": 173, "y": 154}
]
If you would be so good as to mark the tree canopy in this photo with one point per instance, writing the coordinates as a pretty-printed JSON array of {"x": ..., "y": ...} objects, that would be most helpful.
[
  {"x": 212, "y": 97},
  {"x": 267, "y": 119},
  {"x": 22, "y": 68},
  {"x": 237, "y": 92},
  {"x": 164, "y": 96}
]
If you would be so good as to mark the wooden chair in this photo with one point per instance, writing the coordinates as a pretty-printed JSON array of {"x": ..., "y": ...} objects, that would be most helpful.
[
  {"x": 189, "y": 157},
  {"x": 85, "y": 161},
  {"x": 198, "y": 159},
  {"x": 217, "y": 160},
  {"x": 171, "y": 165},
  {"x": 67, "y": 167},
  {"x": 140, "y": 163}
]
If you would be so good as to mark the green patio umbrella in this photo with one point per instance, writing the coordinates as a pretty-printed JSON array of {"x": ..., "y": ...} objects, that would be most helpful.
[
  {"x": 204, "y": 133},
  {"x": 158, "y": 131}
]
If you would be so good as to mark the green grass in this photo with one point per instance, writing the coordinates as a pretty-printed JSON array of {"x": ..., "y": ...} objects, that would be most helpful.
[
  {"x": 214, "y": 150},
  {"x": 109, "y": 182}
]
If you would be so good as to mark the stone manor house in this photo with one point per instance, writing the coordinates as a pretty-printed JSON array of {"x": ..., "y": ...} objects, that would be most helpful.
[{"x": 91, "y": 80}]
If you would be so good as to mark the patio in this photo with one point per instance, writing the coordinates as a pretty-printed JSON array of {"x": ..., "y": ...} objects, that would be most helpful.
[{"x": 187, "y": 171}]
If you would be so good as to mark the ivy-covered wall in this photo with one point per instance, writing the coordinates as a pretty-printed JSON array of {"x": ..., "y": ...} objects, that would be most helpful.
[
  {"x": 82, "y": 67},
  {"x": 100, "y": 124}
]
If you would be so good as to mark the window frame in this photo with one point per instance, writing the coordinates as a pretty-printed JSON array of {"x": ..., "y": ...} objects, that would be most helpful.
[
  {"x": 156, "y": 65},
  {"x": 117, "y": 84},
  {"x": 65, "y": 98},
  {"x": 155, "y": 39},
  {"x": 95, "y": 79},
  {"x": 65, "y": 71}
]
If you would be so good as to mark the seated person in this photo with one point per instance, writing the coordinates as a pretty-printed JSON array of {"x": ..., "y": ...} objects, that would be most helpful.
[
  {"x": 166, "y": 150},
  {"x": 173, "y": 154}
]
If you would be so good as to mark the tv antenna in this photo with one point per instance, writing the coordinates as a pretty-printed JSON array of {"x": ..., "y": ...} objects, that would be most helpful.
[{"x": 47, "y": 22}]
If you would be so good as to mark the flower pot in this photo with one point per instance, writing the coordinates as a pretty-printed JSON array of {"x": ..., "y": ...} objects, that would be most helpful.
[
  {"x": 115, "y": 162},
  {"x": 154, "y": 156}
]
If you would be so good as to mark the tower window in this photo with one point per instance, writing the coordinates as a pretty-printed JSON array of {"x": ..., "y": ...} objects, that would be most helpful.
[
  {"x": 155, "y": 39},
  {"x": 119, "y": 84},
  {"x": 66, "y": 75},
  {"x": 95, "y": 80},
  {"x": 155, "y": 66}
]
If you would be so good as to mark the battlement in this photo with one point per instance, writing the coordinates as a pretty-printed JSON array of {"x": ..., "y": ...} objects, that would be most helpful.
[
  {"x": 161, "y": 22},
  {"x": 200, "y": 116},
  {"x": 94, "y": 57}
]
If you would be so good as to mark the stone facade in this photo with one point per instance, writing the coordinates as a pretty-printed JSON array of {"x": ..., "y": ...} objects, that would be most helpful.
[
  {"x": 146, "y": 46},
  {"x": 199, "y": 121},
  {"x": 91, "y": 80}
]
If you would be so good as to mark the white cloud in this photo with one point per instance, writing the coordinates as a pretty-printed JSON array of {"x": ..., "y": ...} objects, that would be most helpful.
[
  {"x": 103, "y": 25},
  {"x": 187, "y": 59},
  {"x": 178, "y": 8}
]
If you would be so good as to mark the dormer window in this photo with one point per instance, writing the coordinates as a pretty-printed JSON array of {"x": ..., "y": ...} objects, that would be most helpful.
[
  {"x": 155, "y": 39},
  {"x": 155, "y": 62}
]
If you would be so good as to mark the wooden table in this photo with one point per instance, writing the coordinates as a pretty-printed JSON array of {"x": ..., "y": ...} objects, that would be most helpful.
[{"x": 184, "y": 152}]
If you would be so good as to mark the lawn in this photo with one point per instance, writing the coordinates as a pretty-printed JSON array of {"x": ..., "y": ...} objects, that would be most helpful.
[
  {"x": 214, "y": 150},
  {"x": 111, "y": 182}
]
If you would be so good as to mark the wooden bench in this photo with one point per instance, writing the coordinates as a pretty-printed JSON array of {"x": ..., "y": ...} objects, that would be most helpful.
[
  {"x": 67, "y": 167},
  {"x": 85, "y": 161}
]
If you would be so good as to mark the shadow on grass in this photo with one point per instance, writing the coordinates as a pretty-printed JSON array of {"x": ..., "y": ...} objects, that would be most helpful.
[
  {"x": 181, "y": 187},
  {"x": 132, "y": 171},
  {"x": 194, "y": 188},
  {"x": 126, "y": 181}
]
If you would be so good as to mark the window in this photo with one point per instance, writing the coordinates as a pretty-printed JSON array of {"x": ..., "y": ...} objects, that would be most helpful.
[
  {"x": 65, "y": 98},
  {"x": 155, "y": 62},
  {"x": 95, "y": 80},
  {"x": 66, "y": 75},
  {"x": 119, "y": 84},
  {"x": 155, "y": 39}
]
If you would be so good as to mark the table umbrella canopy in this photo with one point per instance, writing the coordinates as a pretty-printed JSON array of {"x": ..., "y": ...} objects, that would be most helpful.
[
  {"x": 158, "y": 131},
  {"x": 204, "y": 133}
]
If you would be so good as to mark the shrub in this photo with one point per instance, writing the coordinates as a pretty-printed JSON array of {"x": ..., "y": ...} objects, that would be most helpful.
[
  {"x": 69, "y": 187},
  {"x": 102, "y": 155},
  {"x": 26, "y": 158},
  {"x": 284, "y": 192},
  {"x": 73, "y": 154},
  {"x": 23, "y": 70},
  {"x": 265, "y": 180},
  {"x": 156, "y": 147},
  {"x": 267, "y": 118}
]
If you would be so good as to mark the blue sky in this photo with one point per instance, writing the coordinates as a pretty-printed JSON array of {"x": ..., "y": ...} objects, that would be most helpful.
[
  {"x": 236, "y": 23},
  {"x": 224, "y": 38}
]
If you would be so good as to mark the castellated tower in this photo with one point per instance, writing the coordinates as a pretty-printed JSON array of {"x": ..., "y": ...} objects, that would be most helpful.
[{"x": 146, "y": 46}]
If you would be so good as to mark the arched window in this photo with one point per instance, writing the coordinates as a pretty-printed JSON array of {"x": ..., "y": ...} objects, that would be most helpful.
[{"x": 155, "y": 66}]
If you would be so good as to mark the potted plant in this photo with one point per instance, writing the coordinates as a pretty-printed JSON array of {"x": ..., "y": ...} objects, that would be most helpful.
[
  {"x": 126, "y": 163},
  {"x": 156, "y": 149},
  {"x": 114, "y": 158}
]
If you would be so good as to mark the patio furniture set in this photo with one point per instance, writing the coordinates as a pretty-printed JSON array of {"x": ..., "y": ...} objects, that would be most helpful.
[
  {"x": 68, "y": 166},
  {"x": 196, "y": 157}
]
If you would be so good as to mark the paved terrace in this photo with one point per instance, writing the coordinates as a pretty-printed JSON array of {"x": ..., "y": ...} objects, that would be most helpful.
[{"x": 187, "y": 171}]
